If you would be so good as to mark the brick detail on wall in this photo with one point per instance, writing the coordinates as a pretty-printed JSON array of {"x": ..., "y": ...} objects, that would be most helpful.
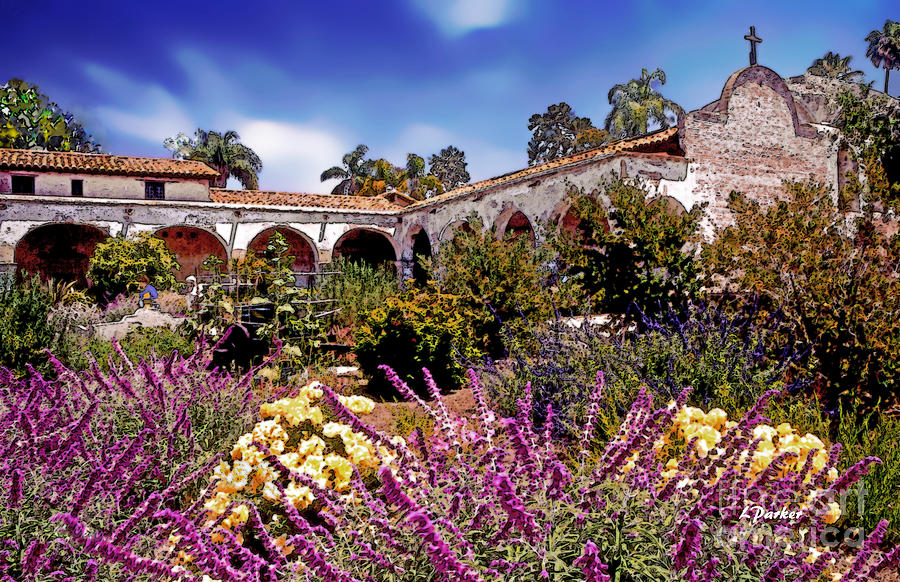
[{"x": 751, "y": 141}]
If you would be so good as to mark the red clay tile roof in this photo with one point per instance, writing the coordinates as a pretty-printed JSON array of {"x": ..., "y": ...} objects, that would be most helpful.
[
  {"x": 323, "y": 201},
  {"x": 78, "y": 163},
  {"x": 662, "y": 141}
]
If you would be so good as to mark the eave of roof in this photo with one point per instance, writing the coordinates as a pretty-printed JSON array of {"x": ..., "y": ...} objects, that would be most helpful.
[
  {"x": 624, "y": 145},
  {"x": 104, "y": 164},
  {"x": 332, "y": 202}
]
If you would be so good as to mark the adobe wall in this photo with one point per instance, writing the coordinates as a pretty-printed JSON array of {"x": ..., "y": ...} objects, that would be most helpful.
[
  {"x": 98, "y": 186},
  {"x": 751, "y": 140}
]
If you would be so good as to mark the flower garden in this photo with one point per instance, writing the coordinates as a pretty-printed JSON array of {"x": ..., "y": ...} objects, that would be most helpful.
[{"x": 741, "y": 434}]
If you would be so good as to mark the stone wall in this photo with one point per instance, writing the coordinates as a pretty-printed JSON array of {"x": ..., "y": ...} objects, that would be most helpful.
[{"x": 751, "y": 140}]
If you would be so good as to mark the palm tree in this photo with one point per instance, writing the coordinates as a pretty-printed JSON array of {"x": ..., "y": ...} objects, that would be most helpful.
[
  {"x": 636, "y": 105},
  {"x": 833, "y": 66},
  {"x": 223, "y": 153},
  {"x": 352, "y": 172},
  {"x": 884, "y": 49}
]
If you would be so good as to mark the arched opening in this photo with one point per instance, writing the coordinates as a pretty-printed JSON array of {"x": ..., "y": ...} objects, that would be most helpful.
[
  {"x": 453, "y": 228},
  {"x": 59, "y": 251},
  {"x": 572, "y": 223},
  {"x": 191, "y": 246},
  {"x": 517, "y": 226},
  {"x": 370, "y": 246},
  {"x": 299, "y": 247},
  {"x": 421, "y": 248}
]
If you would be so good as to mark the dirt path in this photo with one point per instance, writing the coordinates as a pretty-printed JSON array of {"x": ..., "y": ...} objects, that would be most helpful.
[{"x": 382, "y": 418}]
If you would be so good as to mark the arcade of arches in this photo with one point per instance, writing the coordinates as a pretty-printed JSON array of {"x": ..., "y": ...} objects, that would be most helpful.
[
  {"x": 298, "y": 247},
  {"x": 369, "y": 246},
  {"x": 59, "y": 251},
  {"x": 191, "y": 246}
]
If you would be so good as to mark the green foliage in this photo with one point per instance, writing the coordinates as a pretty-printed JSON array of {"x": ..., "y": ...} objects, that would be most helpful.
[
  {"x": 724, "y": 359},
  {"x": 419, "y": 328},
  {"x": 865, "y": 435},
  {"x": 833, "y": 66},
  {"x": 25, "y": 331},
  {"x": 559, "y": 133},
  {"x": 884, "y": 49},
  {"x": 222, "y": 152},
  {"x": 838, "y": 289},
  {"x": 449, "y": 167},
  {"x": 29, "y": 120},
  {"x": 118, "y": 264},
  {"x": 357, "y": 287},
  {"x": 637, "y": 253},
  {"x": 638, "y": 107},
  {"x": 499, "y": 281},
  {"x": 295, "y": 324},
  {"x": 352, "y": 172},
  {"x": 408, "y": 420}
]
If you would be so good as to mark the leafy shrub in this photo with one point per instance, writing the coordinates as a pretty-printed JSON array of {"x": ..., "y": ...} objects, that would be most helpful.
[
  {"x": 873, "y": 435},
  {"x": 499, "y": 281},
  {"x": 420, "y": 328},
  {"x": 101, "y": 446},
  {"x": 293, "y": 325},
  {"x": 638, "y": 252},
  {"x": 726, "y": 359},
  {"x": 118, "y": 264},
  {"x": 409, "y": 420},
  {"x": 25, "y": 329},
  {"x": 356, "y": 288},
  {"x": 838, "y": 289},
  {"x": 667, "y": 499}
]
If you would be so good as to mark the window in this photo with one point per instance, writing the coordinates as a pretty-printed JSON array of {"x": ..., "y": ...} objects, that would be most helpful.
[
  {"x": 77, "y": 187},
  {"x": 23, "y": 184},
  {"x": 155, "y": 190}
]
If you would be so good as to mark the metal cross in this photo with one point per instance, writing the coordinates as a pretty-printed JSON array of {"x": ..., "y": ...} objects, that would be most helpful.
[{"x": 753, "y": 40}]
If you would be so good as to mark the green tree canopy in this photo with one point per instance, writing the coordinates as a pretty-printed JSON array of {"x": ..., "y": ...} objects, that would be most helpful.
[
  {"x": 29, "y": 120},
  {"x": 837, "y": 286},
  {"x": 637, "y": 106},
  {"x": 884, "y": 48},
  {"x": 353, "y": 171},
  {"x": 449, "y": 166},
  {"x": 559, "y": 133},
  {"x": 118, "y": 264},
  {"x": 221, "y": 152},
  {"x": 635, "y": 252},
  {"x": 834, "y": 66}
]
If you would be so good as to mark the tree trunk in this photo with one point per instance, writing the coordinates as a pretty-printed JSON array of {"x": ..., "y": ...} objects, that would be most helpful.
[
  {"x": 222, "y": 180},
  {"x": 887, "y": 76}
]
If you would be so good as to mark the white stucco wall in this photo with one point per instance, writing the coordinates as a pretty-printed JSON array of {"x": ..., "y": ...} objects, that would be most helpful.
[{"x": 97, "y": 186}]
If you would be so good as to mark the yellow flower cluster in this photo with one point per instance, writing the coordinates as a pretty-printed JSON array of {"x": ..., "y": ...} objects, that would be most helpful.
[
  {"x": 709, "y": 427},
  {"x": 293, "y": 420}
]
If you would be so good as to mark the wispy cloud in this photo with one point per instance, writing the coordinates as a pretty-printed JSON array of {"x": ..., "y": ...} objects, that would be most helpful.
[
  {"x": 142, "y": 110},
  {"x": 293, "y": 154},
  {"x": 458, "y": 17}
]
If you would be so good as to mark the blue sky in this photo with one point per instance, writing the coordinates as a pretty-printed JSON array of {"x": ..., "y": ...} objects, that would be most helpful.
[{"x": 303, "y": 82}]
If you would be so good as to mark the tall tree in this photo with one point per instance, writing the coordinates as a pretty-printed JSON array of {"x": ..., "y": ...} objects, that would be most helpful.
[
  {"x": 415, "y": 170},
  {"x": 353, "y": 171},
  {"x": 555, "y": 133},
  {"x": 29, "y": 120},
  {"x": 636, "y": 106},
  {"x": 833, "y": 66},
  {"x": 384, "y": 176},
  {"x": 222, "y": 152},
  {"x": 449, "y": 166},
  {"x": 884, "y": 48}
]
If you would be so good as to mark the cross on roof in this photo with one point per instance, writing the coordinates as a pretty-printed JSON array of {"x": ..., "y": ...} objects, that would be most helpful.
[{"x": 753, "y": 41}]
